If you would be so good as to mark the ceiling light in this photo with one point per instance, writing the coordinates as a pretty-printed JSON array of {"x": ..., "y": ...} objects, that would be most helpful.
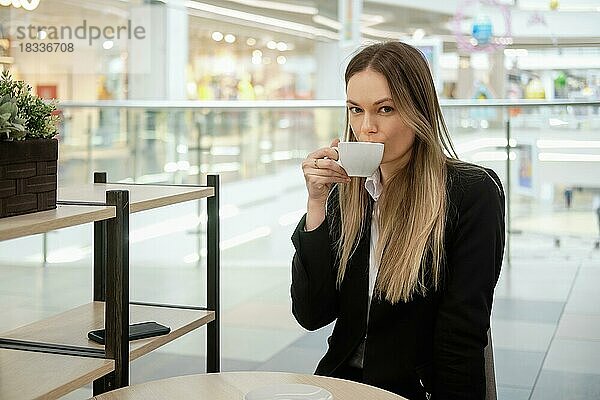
[
  {"x": 418, "y": 34},
  {"x": 516, "y": 52},
  {"x": 370, "y": 19},
  {"x": 68, "y": 254},
  {"x": 478, "y": 144},
  {"x": 271, "y": 44},
  {"x": 492, "y": 156},
  {"x": 257, "y": 54},
  {"x": 284, "y": 25},
  {"x": 281, "y": 46},
  {"x": 194, "y": 257},
  {"x": 217, "y": 36},
  {"x": 273, "y": 5},
  {"x": 170, "y": 167},
  {"x": 383, "y": 34},
  {"x": 250, "y": 41},
  {"x": 535, "y": 6},
  {"x": 108, "y": 44},
  {"x": 569, "y": 157},
  {"x": 328, "y": 22},
  {"x": 229, "y": 38},
  {"x": 568, "y": 144},
  {"x": 291, "y": 218},
  {"x": 281, "y": 60},
  {"x": 183, "y": 165},
  {"x": 28, "y": 5},
  {"x": 257, "y": 233}
]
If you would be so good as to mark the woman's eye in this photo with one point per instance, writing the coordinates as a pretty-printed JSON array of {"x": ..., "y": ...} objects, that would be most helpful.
[
  {"x": 354, "y": 110},
  {"x": 386, "y": 109}
]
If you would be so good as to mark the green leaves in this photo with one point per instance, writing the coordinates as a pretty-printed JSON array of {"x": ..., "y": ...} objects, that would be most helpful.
[
  {"x": 23, "y": 115},
  {"x": 11, "y": 125}
]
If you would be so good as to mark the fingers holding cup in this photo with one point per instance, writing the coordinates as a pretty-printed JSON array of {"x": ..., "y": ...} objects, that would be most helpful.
[{"x": 321, "y": 171}]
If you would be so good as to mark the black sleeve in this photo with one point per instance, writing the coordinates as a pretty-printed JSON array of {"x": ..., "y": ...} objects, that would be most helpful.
[
  {"x": 473, "y": 267},
  {"x": 314, "y": 274}
]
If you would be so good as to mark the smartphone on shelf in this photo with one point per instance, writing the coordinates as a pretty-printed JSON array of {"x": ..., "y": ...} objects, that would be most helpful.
[{"x": 140, "y": 330}]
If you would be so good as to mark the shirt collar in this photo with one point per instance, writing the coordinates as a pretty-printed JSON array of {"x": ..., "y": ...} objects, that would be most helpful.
[{"x": 374, "y": 186}]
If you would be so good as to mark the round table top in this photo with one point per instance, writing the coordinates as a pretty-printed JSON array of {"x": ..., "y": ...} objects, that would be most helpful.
[{"x": 234, "y": 385}]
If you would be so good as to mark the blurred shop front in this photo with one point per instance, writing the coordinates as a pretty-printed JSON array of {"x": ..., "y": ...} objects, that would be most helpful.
[
  {"x": 184, "y": 54},
  {"x": 256, "y": 50},
  {"x": 229, "y": 63}
]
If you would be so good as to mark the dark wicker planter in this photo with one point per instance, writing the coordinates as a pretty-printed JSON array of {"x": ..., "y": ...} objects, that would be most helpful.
[{"x": 27, "y": 176}]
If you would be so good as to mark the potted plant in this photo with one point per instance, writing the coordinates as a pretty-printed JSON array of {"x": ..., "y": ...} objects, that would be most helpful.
[{"x": 28, "y": 150}]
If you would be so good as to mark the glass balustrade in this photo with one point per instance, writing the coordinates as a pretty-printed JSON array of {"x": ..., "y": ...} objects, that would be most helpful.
[{"x": 547, "y": 155}]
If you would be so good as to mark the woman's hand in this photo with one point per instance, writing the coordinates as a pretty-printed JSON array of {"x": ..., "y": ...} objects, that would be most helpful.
[{"x": 320, "y": 173}]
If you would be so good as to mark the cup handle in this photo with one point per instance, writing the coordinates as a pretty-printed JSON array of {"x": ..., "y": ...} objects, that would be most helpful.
[{"x": 338, "y": 152}]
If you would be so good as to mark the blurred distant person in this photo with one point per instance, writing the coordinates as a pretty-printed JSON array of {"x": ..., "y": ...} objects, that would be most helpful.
[
  {"x": 205, "y": 89},
  {"x": 568, "y": 197},
  {"x": 245, "y": 88},
  {"x": 596, "y": 208}
]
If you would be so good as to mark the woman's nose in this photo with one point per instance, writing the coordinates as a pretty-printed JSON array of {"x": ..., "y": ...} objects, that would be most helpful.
[{"x": 368, "y": 125}]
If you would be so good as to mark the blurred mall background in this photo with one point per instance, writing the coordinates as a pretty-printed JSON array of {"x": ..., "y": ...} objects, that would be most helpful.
[{"x": 247, "y": 89}]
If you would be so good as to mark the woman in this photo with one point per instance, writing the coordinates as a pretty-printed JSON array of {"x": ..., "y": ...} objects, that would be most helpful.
[{"x": 405, "y": 261}]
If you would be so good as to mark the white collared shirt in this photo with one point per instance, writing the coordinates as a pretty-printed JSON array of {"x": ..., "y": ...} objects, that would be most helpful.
[{"x": 374, "y": 188}]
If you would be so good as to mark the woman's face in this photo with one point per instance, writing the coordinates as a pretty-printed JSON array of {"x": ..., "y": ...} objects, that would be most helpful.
[{"x": 374, "y": 117}]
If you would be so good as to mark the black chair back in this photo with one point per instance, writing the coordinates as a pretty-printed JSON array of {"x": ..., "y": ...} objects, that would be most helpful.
[{"x": 490, "y": 373}]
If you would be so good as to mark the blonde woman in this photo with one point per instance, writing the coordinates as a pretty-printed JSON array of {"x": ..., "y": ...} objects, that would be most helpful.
[{"x": 405, "y": 261}]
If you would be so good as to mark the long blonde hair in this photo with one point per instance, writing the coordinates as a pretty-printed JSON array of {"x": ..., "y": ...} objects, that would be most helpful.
[{"x": 412, "y": 207}]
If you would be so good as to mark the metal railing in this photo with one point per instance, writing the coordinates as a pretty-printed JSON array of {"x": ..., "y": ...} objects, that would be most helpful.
[{"x": 300, "y": 104}]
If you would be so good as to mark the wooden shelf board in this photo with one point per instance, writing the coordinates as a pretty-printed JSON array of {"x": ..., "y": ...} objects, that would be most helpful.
[
  {"x": 141, "y": 197},
  {"x": 61, "y": 217},
  {"x": 71, "y": 327},
  {"x": 32, "y": 375}
]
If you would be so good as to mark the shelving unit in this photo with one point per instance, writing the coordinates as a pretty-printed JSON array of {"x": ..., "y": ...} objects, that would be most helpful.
[{"x": 61, "y": 341}]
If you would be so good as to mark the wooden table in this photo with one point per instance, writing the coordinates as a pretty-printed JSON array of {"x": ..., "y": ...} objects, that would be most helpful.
[{"x": 234, "y": 385}]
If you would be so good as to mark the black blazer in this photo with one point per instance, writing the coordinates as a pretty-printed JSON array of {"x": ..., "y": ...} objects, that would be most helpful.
[{"x": 431, "y": 347}]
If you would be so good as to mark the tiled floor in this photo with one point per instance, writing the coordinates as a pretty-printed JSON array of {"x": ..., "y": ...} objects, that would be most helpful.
[
  {"x": 546, "y": 323},
  {"x": 546, "y": 316}
]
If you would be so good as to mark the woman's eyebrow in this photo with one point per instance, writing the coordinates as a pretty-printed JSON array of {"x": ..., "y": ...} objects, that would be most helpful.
[{"x": 377, "y": 102}]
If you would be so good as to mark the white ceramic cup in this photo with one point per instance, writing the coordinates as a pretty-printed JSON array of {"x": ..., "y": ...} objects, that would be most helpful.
[{"x": 360, "y": 158}]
